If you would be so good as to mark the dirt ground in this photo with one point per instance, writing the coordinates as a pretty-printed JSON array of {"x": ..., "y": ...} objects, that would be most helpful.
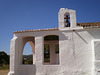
[{"x": 4, "y": 72}]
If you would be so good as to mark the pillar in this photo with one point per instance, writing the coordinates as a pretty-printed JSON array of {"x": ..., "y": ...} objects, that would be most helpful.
[
  {"x": 39, "y": 46},
  {"x": 13, "y": 55}
]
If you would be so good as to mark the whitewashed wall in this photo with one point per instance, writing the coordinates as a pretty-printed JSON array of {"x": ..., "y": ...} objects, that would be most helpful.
[{"x": 76, "y": 53}]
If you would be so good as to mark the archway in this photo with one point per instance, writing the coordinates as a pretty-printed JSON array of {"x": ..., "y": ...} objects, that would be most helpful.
[
  {"x": 67, "y": 20},
  {"x": 51, "y": 49},
  {"x": 28, "y": 50}
]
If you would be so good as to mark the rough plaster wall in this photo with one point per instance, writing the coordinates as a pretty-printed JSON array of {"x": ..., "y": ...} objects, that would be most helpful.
[
  {"x": 78, "y": 52},
  {"x": 97, "y": 56},
  {"x": 26, "y": 70},
  {"x": 75, "y": 55},
  {"x": 77, "y": 49}
]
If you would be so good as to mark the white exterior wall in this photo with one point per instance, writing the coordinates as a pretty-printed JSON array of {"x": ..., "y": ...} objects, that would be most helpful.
[{"x": 75, "y": 53}]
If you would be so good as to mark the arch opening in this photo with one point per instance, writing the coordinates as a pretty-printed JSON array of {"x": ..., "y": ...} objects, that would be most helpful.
[
  {"x": 51, "y": 49},
  {"x": 67, "y": 20},
  {"x": 28, "y": 56}
]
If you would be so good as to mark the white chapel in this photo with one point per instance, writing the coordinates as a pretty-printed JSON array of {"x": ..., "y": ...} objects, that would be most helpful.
[{"x": 74, "y": 48}]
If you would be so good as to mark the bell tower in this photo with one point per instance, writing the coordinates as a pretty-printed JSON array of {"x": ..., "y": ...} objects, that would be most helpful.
[{"x": 67, "y": 19}]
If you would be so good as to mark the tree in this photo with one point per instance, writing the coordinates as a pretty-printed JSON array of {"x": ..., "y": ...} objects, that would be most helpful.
[{"x": 4, "y": 58}]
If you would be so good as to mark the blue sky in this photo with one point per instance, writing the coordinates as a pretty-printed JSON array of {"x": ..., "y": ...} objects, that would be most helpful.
[{"x": 37, "y": 14}]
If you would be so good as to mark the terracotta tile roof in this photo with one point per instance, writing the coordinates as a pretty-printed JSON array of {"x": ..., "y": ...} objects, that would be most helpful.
[
  {"x": 84, "y": 25},
  {"x": 22, "y": 31},
  {"x": 89, "y": 25}
]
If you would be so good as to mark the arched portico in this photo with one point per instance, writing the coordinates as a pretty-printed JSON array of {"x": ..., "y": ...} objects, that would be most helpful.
[{"x": 16, "y": 53}]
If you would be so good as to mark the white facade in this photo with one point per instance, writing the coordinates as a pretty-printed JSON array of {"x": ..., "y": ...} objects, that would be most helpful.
[{"x": 79, "y": 52}]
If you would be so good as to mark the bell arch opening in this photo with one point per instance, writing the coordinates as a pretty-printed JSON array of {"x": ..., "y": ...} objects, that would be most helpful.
[
  {"x": 51, "y": 49},
  {"x": 28, "y": 52},
  {"x": 66, "y": 20}
]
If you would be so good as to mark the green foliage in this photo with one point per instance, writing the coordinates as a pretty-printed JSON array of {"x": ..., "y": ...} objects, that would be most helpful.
[
  {"x": 27, "y": 59},
  {"x": 46, "y": 60},
  {"x": 4, "y": 59}
]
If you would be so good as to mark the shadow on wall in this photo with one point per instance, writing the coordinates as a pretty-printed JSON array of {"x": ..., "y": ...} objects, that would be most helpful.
[
  {"x": 94, "y": 33},
  {"x": 81, "y": 37},
  {"x": 62, "y": 36}
]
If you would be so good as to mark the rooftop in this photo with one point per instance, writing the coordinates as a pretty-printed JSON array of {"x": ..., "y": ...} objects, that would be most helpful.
[
  {"x": 89, "y": 25},
  {"x": 84, "y": 25}
]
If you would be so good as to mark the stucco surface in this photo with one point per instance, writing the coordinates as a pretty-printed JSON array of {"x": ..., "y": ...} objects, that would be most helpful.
[{"x": 75, "y": 53}]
